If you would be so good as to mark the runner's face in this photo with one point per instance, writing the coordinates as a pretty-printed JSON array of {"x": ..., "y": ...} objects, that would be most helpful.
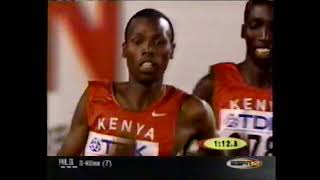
[
  {"x": 148, "y": 49},
  {"x": 258, "y": 32}
]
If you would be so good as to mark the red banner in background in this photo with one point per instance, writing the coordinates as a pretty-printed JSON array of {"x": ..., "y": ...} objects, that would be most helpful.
[{"x": 96, "y": 44}]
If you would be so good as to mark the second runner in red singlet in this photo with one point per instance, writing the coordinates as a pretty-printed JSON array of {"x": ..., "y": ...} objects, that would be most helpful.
[
  {"x": 240, "y": 94},
  {"x": 242, "y": 111}
]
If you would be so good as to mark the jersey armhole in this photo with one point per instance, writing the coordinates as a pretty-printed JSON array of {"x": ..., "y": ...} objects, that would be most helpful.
[{"x": 88, "y": 110}]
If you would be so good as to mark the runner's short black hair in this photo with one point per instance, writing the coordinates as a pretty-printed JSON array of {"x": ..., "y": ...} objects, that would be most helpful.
[
  {"x": 152, "y": 14},
  {"x": 252, "y": 3}
]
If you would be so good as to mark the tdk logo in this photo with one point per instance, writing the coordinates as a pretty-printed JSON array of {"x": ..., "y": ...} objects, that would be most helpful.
[
  {"x": 248, "y": 121},
  {"x": 108, "y": 145}
]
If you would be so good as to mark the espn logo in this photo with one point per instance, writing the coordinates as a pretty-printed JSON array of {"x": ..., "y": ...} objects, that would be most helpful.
[{"x": 244, "y": 163}]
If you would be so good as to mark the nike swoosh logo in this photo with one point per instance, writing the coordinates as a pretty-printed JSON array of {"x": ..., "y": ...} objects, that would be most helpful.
[{"x": 154, "y": 114}]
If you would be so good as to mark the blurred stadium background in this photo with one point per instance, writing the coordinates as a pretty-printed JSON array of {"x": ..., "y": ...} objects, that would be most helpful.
[{"x": 85, "y": 44}]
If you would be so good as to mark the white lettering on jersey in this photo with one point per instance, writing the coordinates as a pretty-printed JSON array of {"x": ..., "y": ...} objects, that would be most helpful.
[
  {"x": 101, "y": 124},
  {"x": 139, "y": 128},
  {"x": 150, "y": 133},
  {"x": 105, "y": 145},
  {"x": 126, "y": 126},
  {"x": 247, "y": 103},
  {"x": 113, "y": 123},
  {"x": 134, "y": 128},
  {"x": 261, "y": 105},
  {"x": 234, "y": 104}
]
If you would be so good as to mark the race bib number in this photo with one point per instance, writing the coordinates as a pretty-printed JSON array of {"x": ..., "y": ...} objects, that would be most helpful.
[
  {"x": 105, "y": 145},
  {"x": 254, "y": 126}
]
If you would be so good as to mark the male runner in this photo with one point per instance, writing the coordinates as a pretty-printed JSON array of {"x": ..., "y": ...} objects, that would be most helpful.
[
  {"x": 241, "y": 94},
  {"x": 160, "y": 118}
]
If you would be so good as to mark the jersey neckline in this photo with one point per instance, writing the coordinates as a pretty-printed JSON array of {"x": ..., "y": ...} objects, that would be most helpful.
[
  {"x": 243, "y": 81},
  {"x": 148, "y": 109}
]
